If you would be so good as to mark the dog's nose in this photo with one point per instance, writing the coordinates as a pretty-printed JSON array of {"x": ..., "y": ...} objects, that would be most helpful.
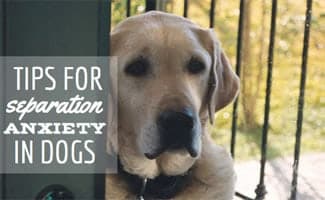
[
  {"x": 176, "y": 121},
  {"x": 177, "y": 129}
]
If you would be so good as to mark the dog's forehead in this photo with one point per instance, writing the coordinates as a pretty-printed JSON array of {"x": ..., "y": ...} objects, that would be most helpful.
[
  {"x": 156, "y": 19},
  {"x": 162, "y": 34},
  {"x": 160, "y": 29}
]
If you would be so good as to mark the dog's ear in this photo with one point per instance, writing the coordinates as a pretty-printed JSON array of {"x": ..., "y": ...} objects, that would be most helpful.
[
  {"x": 112, "y": 112},
  {"x": 223, "y": 82},
  {"x": 112, "y": 108}
]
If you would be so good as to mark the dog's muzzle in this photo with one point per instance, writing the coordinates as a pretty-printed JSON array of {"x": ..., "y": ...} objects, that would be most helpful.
[{"x": 178, "y": 130}]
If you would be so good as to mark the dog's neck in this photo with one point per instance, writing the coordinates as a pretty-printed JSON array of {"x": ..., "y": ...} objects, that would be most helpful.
[{"x": 161, "y": 187}]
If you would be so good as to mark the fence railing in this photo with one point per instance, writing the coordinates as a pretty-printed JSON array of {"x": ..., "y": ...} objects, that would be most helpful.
[{"x": 261, "y": 189}]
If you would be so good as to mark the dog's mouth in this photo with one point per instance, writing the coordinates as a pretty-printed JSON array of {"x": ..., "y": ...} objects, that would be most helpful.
[
  {"x": 155, "y": 154},
  {"x": 192, "y": 148},
  {"x": 151, "y": 156}
]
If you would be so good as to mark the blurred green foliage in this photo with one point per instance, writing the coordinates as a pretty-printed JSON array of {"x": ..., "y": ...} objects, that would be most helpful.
[{"x": 286, "y": 71}]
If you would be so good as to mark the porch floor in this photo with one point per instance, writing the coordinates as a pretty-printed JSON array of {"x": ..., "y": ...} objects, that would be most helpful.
[{"x": 311, "y": 181}]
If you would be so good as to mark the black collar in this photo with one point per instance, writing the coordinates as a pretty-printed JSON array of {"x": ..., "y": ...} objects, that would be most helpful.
[{"x": 162, "y": 187}]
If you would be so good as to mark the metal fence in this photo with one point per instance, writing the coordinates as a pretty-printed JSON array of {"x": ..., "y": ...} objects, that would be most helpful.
[{"x": 261, "y": 188}]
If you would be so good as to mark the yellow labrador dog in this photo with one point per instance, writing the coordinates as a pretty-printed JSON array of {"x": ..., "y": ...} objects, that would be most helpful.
[{"x": 173, "y": 76}]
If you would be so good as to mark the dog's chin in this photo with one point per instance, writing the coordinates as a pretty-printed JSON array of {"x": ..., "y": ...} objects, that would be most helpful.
[
  {"x": 170, "y": 163},
  {"x": 173, "y": 163}
]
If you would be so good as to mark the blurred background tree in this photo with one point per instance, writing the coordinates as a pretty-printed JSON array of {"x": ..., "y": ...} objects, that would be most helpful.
[{"x": 286, "y": 71}]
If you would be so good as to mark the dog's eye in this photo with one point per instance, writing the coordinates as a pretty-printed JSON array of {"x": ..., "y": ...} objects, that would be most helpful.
[
  {"x": 195, "y": 66},
  {"x": 139, "y": 67}
]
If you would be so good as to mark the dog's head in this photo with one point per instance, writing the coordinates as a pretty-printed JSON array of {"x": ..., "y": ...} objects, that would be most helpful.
[{"x": 172, "y": 76}]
